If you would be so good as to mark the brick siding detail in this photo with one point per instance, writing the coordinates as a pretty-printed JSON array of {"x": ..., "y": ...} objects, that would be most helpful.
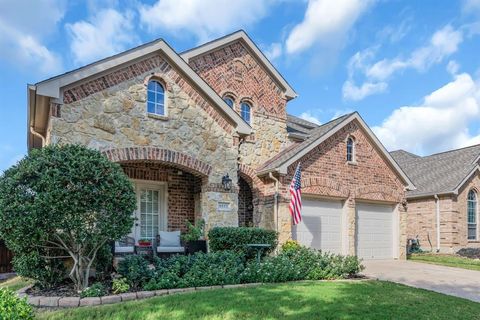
[
  {"x": 140, "y": 69},
  {"x": 245, "y": 204},
  {"x": 166, "y": 156}
]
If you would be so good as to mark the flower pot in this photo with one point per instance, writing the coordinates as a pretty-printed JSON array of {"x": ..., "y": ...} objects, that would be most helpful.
[
  {"x": 144, "y": 244},
  {"x": 196, "y": 246}
]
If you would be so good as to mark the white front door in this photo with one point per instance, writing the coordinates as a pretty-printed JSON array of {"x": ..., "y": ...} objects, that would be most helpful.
[
  {"x": 321, "y": 225},
  {"x": 151, "y": 214},
  {"x": 375, "y": 233}
]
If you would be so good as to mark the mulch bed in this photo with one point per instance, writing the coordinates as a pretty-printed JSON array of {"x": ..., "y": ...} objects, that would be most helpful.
[{"x": 65, "y": 289}]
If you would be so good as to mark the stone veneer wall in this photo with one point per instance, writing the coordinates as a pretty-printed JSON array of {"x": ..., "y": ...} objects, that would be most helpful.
[
  {"x": 234, "y": 71},
  {"x": 325, "y": 172},
  {"x": 110, "y": 112}
]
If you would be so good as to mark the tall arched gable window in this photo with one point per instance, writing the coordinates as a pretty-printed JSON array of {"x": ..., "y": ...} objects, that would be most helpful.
[
  {"x": 156, "y": 98},
  {"x": 350, "y": 149},
  {"x": 472, "y": 215}
]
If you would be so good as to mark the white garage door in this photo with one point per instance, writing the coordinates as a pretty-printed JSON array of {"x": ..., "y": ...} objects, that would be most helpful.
[
  {"x": 374, "y": 231},
  {"x": 321, "y": 226}
]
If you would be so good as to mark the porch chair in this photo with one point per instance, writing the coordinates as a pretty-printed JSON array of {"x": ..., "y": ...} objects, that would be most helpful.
[
  {"x": 124, "y": 246},
  {"x": 168, "y": 242}
]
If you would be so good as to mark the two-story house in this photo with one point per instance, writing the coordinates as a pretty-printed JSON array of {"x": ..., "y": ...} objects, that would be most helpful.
[{"x": 182, "y": 125}]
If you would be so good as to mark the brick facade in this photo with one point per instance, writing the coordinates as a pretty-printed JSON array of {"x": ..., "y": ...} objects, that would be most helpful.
[{"x": 422, "y": 219}]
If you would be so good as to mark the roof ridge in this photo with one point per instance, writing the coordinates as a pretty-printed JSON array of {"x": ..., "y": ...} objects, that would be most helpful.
[
  {"x": 301, "y": 120},
  {"x": 211, "y": 41},
  {"x": 452, "y": 150}
]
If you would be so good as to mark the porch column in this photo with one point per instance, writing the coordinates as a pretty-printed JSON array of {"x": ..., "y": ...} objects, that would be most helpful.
[{"x": 218, "y": 207}]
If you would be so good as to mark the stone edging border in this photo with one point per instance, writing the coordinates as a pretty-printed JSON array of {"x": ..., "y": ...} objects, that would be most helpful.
[{"x": 72, "y": 302}]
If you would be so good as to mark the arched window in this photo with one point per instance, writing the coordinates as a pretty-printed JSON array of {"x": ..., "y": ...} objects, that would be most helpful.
[
  {"x": 229, "y": 101},
  {"x": 156, "y": 98},
  {"x": 472, "y": 215},
  {"x": 245, "y": 111},
  {"x": 350, "y": 150}
]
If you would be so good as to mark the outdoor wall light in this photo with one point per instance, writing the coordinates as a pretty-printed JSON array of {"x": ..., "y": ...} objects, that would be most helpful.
[{"x": 226, "y": 182}]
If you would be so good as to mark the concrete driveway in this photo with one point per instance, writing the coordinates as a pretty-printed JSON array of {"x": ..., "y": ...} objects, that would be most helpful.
[{"x": 452, "y": 281}]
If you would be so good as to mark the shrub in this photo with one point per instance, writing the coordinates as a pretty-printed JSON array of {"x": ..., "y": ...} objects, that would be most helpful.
[
  {"x": 12, "y": 307},
  {"x": 236, "y": 239},
  {"x": 136, "y": 271},
  {"x": 65, "y": 201},
  {"x": 45, "y": 272},
  {"x": 95, "y": 290},
  {"x": 195, "y": 232},
  {"x": 120, "y": 286},
  {"x": 472, "y": 253},
  {"x": 104, "y": 262},
  {"x": 290, "y": 245}
]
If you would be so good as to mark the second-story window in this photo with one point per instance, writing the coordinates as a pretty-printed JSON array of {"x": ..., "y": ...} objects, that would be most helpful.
[
  {"x": 245, "y": 111},
  {"x": 350, "y": 149},
  {"x": 229, "y": 101},
  {"x": 156, "y": 98}
]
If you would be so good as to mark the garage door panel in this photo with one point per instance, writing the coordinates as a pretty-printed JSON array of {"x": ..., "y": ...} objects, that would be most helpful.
[
  {"x": 374, "y": 238},
  {"x": 321, "y": 225}
]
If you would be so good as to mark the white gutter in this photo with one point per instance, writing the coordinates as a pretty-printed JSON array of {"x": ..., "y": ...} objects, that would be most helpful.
[{"x": 437, "y": 214}]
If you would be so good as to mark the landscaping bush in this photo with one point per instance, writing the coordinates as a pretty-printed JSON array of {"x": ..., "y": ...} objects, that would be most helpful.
[
  {"x": 12, "y": 307},
  {"x": 198, "y": 270},
  {"x": 120, "y": 286},
  {"x": 235, "y": 239},
  {"x": 64, "y": 201},
  {"x": 472, "y": 253},
  {"x": 45, "y": 272},
  {"x": 136, "y": 271},
  {"x": 104, "y": 262},
  {"x": 95, "y": 290}
]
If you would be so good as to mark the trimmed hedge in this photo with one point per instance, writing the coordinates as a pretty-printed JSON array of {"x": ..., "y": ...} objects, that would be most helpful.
[
  {"x": 14, "y": 308},
  {"x": 236, "y": 239}
]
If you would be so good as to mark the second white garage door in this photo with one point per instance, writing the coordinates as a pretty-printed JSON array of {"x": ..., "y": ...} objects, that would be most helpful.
[
  {"x": 321, "y": 226},
  {"x": 375, "y": 231}
]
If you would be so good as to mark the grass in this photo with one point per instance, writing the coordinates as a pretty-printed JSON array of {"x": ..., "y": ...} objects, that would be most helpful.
[
  {"x": 447, "y": 260},
  {"x": 15, "y": 283},
  {"x": 300, "y": 300}
]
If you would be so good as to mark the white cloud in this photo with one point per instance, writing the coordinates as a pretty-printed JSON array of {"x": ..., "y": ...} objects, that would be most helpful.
[
  {"x": 453, "y": 67},
  {"x": 273, "y": 51},
  {"x": 106, "y": 33},
  {"x": 205, "y": 19},
  {"x": 325, "y": 22},
  {"x": 441, "y": 122},
  {"x": 442, "y": 44},
  {"x": 23, "y": 27},
  {"x": 471, "y": 6},
  {"x": 310, "y": 117}
]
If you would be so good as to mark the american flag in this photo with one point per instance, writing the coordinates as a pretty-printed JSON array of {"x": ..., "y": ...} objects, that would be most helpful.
[{"x": 296, "y": 196}]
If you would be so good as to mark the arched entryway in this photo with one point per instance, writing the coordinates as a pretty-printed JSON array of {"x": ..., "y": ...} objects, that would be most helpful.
[{"x": 245, "y": 204}]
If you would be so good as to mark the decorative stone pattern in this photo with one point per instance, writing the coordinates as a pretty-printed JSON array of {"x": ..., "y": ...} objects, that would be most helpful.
[
  {"x": 453, "y": 220},
  {"x": 232, "y": 70}
]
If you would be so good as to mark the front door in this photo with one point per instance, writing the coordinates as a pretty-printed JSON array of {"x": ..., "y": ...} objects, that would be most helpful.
[{"x": 151, "y": 213}]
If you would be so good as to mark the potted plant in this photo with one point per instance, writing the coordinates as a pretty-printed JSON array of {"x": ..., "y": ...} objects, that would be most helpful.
[
  {"x": 194, "y": 238},
  {"x": 144, "y": 242}
]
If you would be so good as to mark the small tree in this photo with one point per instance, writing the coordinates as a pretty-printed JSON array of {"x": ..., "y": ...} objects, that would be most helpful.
[{"x": 65, "y": 202}]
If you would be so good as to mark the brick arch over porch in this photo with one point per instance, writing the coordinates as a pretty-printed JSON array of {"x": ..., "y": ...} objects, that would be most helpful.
[
  {"x": 164, "y": 156},
  {"x": 377, "y": 192},
  {"x": 249, "y": 175},
  {"x": 324, "y": 186}
]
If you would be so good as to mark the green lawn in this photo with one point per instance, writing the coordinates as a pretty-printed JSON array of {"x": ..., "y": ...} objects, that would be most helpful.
[
  {"x": 305, "y": 300},
  {"x": 447, "y": 260},
  {"x": 15, "y": 283}
]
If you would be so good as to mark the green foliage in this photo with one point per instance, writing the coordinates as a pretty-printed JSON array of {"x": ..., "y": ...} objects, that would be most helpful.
[
  {"x": 195, "y": 232},
  {"x": 120, "y": 286},
  {"x": 45, "y": 272},
  {"x": 64, "y": 198},
  {"x": 198, "y": 270},
  {"x": 136, "y": 271},
  {"x": 14, "y": 308},
  {"x": 236, "y": 239},
  {"x": 104, "y": 262},
  {"x": 290, "y": 245},
  {"x": 95, "y": 290}
]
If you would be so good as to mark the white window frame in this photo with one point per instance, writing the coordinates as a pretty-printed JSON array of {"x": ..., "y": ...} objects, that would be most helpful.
[
  {"x": 250, "y": 120},
  {"x": 353, "y": 160},
  {"x": 476, "y": 214},
  {"x": 229, "y": 97},
  {"x": 165, "y": 92}
]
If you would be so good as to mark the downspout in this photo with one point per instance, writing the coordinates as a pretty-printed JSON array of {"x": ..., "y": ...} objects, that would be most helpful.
[
  {"x": 437, "y": 212},
  {"x": 35, "y": 133},
  {"x": 275, "y": 198}
]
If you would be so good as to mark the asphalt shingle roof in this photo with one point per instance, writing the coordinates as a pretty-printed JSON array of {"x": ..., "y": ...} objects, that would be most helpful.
[
  {"x": 311, "y": 135},
  {"x": 438, "y": 173}
]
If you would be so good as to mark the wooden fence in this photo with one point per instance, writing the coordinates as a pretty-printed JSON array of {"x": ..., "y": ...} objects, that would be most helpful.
[{"x": 5, "y": 258}]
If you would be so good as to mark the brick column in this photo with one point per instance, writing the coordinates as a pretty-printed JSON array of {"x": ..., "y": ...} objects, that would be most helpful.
[{"x": 402, "y": 246}]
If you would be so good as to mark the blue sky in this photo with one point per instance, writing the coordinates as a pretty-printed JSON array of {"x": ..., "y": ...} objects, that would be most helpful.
[{"x": 411, "y": 68}]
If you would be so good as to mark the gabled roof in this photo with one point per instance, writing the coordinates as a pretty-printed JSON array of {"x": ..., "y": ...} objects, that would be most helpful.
[
  {"x": 294, "y": 152},
  {"x": 53, "y": 87},
  {"x": 441, "y": 173},
  {"x": 242, "y": 36}
]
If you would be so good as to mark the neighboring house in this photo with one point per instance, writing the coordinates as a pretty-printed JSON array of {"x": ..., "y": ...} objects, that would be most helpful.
[
  {"x": 444, "y": 208},
  {"x": 182, "y": 125}
]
